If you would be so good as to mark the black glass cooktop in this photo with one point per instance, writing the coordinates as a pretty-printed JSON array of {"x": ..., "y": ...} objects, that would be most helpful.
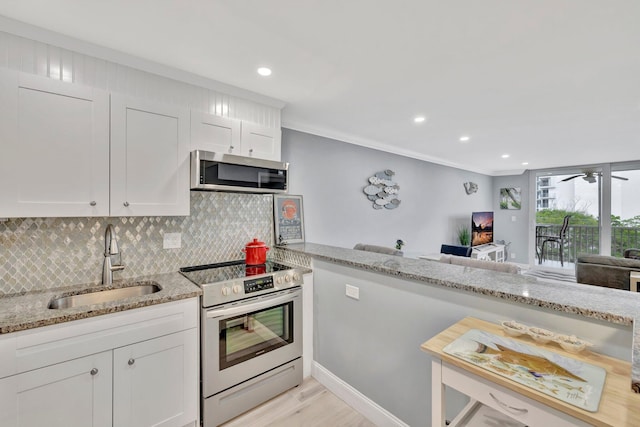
[{"x": 222, "y": 272}]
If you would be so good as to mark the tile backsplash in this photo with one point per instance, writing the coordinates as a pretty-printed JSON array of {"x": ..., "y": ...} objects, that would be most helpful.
[{"x": 46, "y": 253}]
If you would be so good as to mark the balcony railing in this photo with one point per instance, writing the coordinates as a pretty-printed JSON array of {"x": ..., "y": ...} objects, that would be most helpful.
[{"x": 585, "y": 239}]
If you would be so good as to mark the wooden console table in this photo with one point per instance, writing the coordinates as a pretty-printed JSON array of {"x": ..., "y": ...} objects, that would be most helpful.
[
  {"x": 489, "y": 252},
  {"x": 619, "y": 405}
]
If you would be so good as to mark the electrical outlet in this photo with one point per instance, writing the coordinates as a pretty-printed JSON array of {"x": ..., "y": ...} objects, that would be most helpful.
[
  {"x": 513, "y": 255},
  {"x": 172, "y": 241},
  {"x": 352, "y": 291}
]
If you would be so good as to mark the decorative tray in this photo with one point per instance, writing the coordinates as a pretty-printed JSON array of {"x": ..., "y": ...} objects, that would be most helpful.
[{"x": 569, "y": 380}]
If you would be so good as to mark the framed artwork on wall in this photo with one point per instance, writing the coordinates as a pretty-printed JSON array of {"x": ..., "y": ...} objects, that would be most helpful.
[
  {"x": 288, "y": 217},
  {"x": 510, "y": 198}
]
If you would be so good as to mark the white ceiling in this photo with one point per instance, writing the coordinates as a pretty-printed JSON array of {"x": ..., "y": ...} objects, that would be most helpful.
[{"x": 550, "y": 82}]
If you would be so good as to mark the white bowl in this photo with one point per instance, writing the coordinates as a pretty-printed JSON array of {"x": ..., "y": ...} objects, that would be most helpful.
[
  {"x": 513, "y": 328},
  {"x": 541, "y": 335},
  {"x": 571, "y": 343}
]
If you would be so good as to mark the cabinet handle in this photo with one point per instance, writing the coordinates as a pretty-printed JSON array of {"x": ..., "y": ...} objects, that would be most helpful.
[
  {"x": 94, "y": 371},
  {"x": 131, "y": 361},
  {"x": 92, "y": 203},
  {"x": 231, "y": 147},
  {"x": 251, "y": 151},
  {"x": 507, "y": 407},
  {"x": 126, "y": 204}
]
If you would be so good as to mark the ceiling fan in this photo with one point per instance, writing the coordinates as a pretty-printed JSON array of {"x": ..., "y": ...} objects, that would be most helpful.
[{"x": 590, "y": 177}]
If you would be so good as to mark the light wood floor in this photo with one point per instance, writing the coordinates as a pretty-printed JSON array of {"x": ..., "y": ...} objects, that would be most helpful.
[{"x": 308, "y": 405}]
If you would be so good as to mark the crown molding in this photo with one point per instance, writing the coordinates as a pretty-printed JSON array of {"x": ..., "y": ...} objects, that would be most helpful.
[
  {"x": 42, "y": 35},
  {"x": 375, "y": 145}
]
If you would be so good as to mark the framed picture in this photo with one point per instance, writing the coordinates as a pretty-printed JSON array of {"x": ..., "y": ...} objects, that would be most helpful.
[
  {"x": 289, "y": 219},
  {"x": 510, "y": 198}
]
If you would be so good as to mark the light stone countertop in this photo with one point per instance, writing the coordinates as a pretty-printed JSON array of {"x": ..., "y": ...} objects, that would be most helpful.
[
  {"x": 611, "y": 305},
  {"x": 30, "y": 310}
]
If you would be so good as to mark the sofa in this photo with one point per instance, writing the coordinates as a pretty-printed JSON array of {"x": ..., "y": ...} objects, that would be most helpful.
[
  {"x": 606, "y": 271},
  {"x": 378, "y": 249},
  {"x": 503, "y": 267}
]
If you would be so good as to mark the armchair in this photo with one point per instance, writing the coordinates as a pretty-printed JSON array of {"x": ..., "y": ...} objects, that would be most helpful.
[{"x": 631, "y": 253}]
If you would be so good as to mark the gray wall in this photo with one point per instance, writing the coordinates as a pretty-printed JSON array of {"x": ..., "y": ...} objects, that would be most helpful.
[
  {"x": 506, "y": 228},
  {"x": 373, "y": 343},
  {"x": 331, "y": 175}
]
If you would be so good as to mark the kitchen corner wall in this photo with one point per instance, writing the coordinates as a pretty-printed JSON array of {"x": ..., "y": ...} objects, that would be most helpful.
[{"x": 46, "y": 253}]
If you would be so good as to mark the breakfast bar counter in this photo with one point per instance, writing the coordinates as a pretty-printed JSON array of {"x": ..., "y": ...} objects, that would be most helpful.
[{"x": 588, "y": 302}]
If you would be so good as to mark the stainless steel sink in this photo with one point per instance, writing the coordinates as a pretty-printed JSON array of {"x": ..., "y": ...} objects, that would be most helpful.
[{"x": 98, "y": 297}]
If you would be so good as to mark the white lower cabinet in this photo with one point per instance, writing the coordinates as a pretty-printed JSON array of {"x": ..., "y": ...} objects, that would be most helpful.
[
  {"x": 137, "y": 368},
  {"x": 76, "y": 393},
  {"x": 152, "y": 381}
]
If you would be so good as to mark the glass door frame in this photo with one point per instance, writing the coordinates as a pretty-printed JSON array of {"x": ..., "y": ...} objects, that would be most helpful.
[{"x": 604, "y": 208}]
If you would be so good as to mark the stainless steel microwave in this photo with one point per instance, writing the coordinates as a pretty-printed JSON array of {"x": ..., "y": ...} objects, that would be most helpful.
[{"x": 227, "y": 172}]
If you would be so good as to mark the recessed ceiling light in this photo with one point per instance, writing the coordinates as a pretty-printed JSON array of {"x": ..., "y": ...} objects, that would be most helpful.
[
  {"x": 525, "y": 163},
  {"x": 464, "y": 138},
  {"x": 505, "y": 156},
  {"x": 264, "y": 71},
  {"x": 419, "y": 119}
]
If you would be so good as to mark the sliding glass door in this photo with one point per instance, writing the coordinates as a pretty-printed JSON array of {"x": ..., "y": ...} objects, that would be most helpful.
[
  {"x": 603, "y": 206},
  {"x": 567, "y": 217},
  {"x": 625, "y": 208}
]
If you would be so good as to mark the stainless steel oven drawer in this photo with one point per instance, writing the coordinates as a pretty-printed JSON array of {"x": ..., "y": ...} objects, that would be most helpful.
[{"x": 230, "y": 403}]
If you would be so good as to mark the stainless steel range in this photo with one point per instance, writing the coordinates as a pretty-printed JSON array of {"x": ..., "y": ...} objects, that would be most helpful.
[{"x": 251, "y": 335}]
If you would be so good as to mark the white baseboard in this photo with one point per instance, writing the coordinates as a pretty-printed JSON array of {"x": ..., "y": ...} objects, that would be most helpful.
[{"x": 358, "y": 401}]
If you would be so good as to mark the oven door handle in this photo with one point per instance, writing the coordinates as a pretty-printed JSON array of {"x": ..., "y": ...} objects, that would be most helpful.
[{"x": 254, "y": 306}]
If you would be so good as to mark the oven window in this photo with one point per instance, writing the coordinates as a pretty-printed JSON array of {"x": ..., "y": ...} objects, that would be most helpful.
[{"x": 250, "y": 335}]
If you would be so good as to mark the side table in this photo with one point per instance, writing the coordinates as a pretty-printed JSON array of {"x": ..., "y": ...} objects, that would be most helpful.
[{"x": 634, "y": 279}]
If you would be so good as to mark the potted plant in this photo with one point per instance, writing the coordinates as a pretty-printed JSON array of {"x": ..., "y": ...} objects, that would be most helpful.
[{"x": 464, "y": 237}]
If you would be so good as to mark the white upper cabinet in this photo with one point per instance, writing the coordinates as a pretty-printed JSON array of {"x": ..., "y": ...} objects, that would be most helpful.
[
  {"x": 260, "y": 141},
  {"x": 223, "y": 135},
  {"x": 55, "y": 148},
  {"x": 214, "y": 133},
  {"x": 149, "y": 158}
]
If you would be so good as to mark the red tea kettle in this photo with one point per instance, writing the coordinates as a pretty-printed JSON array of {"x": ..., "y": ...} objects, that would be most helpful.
[{"x": 256, "y": 252}]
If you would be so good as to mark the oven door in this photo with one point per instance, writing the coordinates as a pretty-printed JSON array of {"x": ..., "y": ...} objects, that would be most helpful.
[{"x": 242, "y": 340}]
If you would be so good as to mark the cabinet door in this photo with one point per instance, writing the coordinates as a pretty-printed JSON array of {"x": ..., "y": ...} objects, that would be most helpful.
[
  {"x": 149, "y": 158},
  {"x": 156, "y": 382},
  {"x": 71, "y": 394},
  {"x": 55, "y": 148},
  {"x": 259, "y": 141},
  {"x": 214, "y": 133}
]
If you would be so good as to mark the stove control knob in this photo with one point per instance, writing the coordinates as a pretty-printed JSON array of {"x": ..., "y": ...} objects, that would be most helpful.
[
  {"x": 237, "y": 289},
  {"x": 296, "y": 276},
  {"x": 225, "y": 291},
  {"x": 279, "y": 280},
  {"x": 287, "y": 278}
]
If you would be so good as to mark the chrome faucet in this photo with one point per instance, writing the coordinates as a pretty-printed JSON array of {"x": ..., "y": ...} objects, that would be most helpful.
[{"x": 110, "y": 248}]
